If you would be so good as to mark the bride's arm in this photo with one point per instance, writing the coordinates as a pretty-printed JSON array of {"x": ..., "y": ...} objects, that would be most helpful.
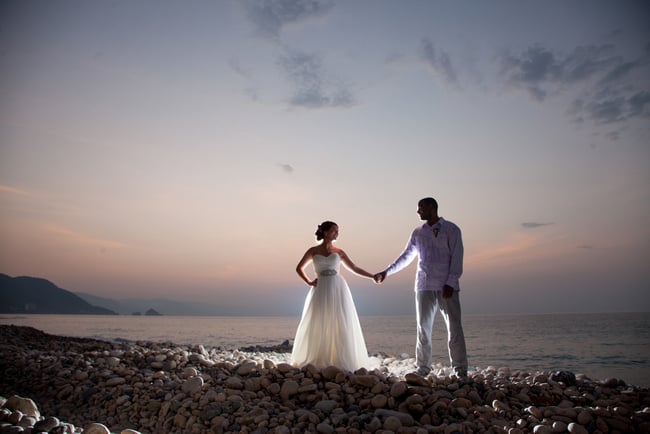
[
  {"x": 352, "y": 267},
  {"x": 300, "y": 268}
]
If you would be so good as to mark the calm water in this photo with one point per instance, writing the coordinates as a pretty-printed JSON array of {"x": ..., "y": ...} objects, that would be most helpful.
[{"x": 598, "y": 345}]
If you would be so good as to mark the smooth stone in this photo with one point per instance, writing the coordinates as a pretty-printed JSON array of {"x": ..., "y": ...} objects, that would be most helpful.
[
  {"x": 542, "y": 429},
  {"x": 12, "y": 429},
  {"x": 289, "y": 388},
  {"x": 232, "y": 383},
  {"x": 190, "y": 372},
  {"x": 246, "y": 368},
  {"x": 364, "y": 380},
  {"x": 374, "y": 424},
  {"x": 308, "y": 388},
  {"x": 112, "y": 361},
  {"x": 461, "y": 403},
  {"x": 169, "y": 365},
  {"x": 46, "y": 424},
  {"x": 566, "y": 377},
  {"x": 405, "y": 418},
  {"x": 575, "y": 428},
  {"x": 454, "y": 428},
  {"x": 179, "y": 420},
  {"x": 584, "y": 417},
  {"x": 398, "y": 389},
  {"x": 324, "y": 428},
  {"x": 326, "y": 405},
  {"x": 331, "y": 372},
  {"x": 379, "y": 401},
  {"x": 27, "y": 421},
  {"x": 392, "y": 423},
  {"x": 115, "y": 381},
  {"x": 273, "y": 388},
  {"x": 285, "y": 368},
  {"x": 536, "y": 412},
  {"x": 559, "y": 426},
  {"x": 96, "y": 428},
  {"x": 15, "y": 417},
  {"x": 25, "y": 405},
  {"x": 415, "y": 379},
  {"x": 193, "y": 385}
]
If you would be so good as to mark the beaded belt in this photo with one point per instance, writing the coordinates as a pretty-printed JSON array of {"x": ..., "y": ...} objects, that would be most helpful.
[{"x": 327, "y": 273}]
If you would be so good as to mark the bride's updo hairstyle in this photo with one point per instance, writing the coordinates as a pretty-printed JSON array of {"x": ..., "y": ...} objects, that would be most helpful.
[{"x": 322, "y": 228}]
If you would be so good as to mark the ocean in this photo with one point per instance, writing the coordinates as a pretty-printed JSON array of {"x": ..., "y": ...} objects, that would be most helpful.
[{"x": 598, "y": 345}]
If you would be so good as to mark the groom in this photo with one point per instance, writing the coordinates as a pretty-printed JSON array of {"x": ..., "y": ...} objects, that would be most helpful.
[{"x": 439, "y": 248}]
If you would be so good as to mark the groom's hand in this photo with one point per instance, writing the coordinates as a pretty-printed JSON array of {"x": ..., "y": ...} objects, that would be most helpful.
[{"x": 447, "y": 291}]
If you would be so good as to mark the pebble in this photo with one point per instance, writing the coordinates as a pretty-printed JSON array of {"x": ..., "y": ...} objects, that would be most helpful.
[{"x": 149, "y": 387}]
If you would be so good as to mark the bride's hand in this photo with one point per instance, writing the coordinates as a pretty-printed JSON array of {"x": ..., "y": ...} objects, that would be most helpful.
[{"x": 313, "y": 282}]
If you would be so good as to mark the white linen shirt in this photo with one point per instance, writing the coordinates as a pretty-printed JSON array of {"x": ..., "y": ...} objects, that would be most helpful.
[{"x": 440, "y": 251}]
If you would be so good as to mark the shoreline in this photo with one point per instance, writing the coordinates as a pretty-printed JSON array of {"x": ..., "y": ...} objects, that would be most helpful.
[{"x": 162, "y": 387}]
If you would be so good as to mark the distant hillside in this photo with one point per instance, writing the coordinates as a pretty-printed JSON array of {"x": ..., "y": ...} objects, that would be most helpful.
[
  {"x": 164, "y": 306},
  {"x": 33, "y": 295}
]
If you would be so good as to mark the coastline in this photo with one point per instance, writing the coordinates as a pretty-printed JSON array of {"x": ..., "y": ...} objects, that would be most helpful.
[{"x": 93, "y": 386}]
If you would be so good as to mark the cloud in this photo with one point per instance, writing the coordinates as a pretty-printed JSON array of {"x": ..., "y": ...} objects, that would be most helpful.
[
  {"x": 270, "y": 16},
  {"x": 439, "y": 61},
  {"x": 288, "y": 168},
  {"x": 77, "y": 237},
  {"x": 540, "y": 71},
  {"x": 531, "y": 70},
  {"x": 613, "y": 135},
  {"x": 611, "y": 107},
  {"x": 533, "y": 225},
  {"x": 13, "y": 191},
  {"x": 236, "y": 66},
  {"x": 313, "y": 89},
  {"x": 608, "y": 88}
]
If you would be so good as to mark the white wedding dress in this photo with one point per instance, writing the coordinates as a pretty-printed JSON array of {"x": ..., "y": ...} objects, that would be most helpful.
[{"x": 329, "y": 333}]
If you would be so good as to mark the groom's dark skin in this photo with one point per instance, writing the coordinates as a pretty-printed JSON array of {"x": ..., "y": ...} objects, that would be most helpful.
[{"x": 429, "y": 213}]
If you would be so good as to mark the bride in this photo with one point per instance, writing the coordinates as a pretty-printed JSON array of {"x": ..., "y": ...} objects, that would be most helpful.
[{"x": 329, "y": 333}]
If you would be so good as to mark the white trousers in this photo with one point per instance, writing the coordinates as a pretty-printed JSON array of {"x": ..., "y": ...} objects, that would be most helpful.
[{"x": 427, "y": 304}]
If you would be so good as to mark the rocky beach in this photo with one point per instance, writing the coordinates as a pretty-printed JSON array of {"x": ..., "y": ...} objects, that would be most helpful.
[{"x": 71, "y": 385}]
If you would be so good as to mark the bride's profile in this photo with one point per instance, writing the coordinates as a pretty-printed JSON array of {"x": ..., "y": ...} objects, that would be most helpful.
[{"x": 329, "y": 332}]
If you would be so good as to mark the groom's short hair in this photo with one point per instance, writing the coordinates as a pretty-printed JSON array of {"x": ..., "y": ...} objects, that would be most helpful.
[{"x": 429, "y": 201}]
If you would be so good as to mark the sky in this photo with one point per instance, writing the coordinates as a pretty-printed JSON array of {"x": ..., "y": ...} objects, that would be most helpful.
[{"x": 188, "y": 150}]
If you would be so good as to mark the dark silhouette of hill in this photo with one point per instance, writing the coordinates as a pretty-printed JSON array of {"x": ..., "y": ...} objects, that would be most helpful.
[
  {"x": 25, "y": 294},
  {"x": 131, "y": 306}
]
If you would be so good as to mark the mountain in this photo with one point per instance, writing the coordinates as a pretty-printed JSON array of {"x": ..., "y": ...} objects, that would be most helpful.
[
  {"x": 25, "y": 294},
  {"x": 128, "y": 306}
]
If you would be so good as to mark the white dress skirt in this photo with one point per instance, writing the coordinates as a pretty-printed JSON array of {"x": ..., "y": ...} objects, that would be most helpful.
[{"x": 329, "y": 333}]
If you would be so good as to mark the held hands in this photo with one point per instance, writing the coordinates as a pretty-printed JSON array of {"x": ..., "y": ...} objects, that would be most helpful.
[
  {"x": 379, "y": 277},
  {"x": 447, "y": 291},
  {"x": 313, "y": 282}
]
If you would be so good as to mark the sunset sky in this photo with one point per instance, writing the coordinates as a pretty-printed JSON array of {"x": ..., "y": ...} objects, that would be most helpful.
[{"x": 188, "y": 150}]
